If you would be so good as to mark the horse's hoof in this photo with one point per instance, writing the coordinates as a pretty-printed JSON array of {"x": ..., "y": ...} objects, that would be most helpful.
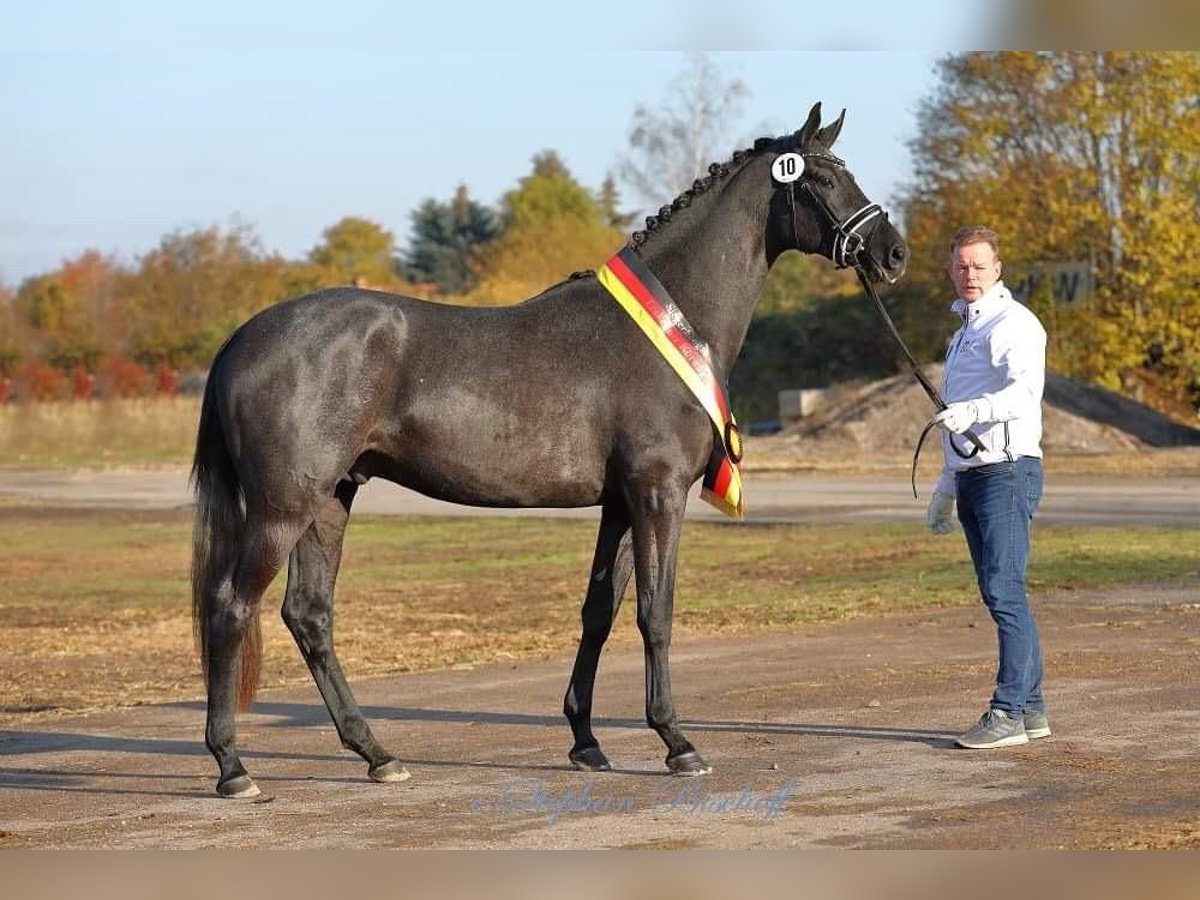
[
  {"x": 689, "y": 764},
  {"x": 389, "y": 772},
  {"x": 240, "y": 787},
  {"x": 590, "y": 759}
]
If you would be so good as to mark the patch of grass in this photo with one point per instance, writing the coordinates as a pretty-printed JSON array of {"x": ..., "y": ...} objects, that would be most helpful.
[
  {"x": 95, "y": 604},
  {"x": 99, "y": 433},
  {"x": 161, "y": 431},
  {"x": 773, "y": 454}
]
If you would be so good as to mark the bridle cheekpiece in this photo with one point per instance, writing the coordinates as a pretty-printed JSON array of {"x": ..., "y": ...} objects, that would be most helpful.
[{"x": 849, "y": 240}]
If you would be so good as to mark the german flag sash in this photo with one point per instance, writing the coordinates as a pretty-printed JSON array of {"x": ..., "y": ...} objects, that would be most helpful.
[{"x": 641, "y": 295}]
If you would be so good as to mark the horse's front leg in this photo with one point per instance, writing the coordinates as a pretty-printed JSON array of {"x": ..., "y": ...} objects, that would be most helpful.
[
  {"x": 657, "y": 511},
  {"x": 611, "y": 568}
]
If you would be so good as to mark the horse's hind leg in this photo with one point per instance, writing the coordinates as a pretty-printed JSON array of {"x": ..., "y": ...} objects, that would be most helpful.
[
  {"x": 657, "y": 509},
  {"x": 611, "y": 568},
  {"x": 234, "y": 642},
  {"x": 308, "y": 613}
]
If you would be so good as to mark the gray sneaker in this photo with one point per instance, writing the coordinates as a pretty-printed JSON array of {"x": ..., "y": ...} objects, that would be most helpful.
[
  {"x": 994, "y": 729},
  {"x": 1036, "y": 724}
]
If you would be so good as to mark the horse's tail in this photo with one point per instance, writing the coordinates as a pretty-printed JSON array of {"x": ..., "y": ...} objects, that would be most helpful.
[{"x": 216, "y": 534}]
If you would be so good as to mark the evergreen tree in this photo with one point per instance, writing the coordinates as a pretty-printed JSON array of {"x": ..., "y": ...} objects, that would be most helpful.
[
  {"x": 609, "y": 200},
  {"x": 444, "y": 237}
]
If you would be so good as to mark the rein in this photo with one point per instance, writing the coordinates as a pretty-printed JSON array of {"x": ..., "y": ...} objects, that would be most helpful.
[
  {"x": 848, "y": 245},
  {"x": 936, "y": 397}
]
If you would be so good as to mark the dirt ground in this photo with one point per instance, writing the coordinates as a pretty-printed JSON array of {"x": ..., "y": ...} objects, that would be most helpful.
[
  {"x": 836, "y": 735},
  {"x": 1132, "y": 497},
  {"x": 832, "y": 735}
]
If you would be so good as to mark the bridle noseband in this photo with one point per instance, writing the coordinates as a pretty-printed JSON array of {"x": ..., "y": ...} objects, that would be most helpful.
[{"x": 848, "y": 239}]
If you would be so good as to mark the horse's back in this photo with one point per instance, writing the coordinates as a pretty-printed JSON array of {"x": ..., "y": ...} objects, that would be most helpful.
[{"x": 494, "y": 406}]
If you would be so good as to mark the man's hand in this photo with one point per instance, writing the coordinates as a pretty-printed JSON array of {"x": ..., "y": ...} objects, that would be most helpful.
[
  {"x": 958, "y": 417},
  {"x": 940, "y": 515}
]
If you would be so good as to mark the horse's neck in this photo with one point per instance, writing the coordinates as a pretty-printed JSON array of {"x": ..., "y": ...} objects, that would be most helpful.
[{"x": 715, "y": 271}]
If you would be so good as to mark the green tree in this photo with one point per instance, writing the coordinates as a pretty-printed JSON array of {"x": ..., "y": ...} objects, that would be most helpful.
[
  {"x": 12, "y": 343},
  {"x": 799, "y": 282},
  {"x": 444, "y": 237},
  {"x": 551, "y": 225},
  {"x": 353, "y": 249},
  {"x": 46, "y": 304},
  {"x": 1081, "y": 155},
  {"x": 548, "y": 193}
]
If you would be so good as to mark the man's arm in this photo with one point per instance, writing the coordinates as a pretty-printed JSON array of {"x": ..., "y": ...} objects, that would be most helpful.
[{"x": 1018, "y": 350}]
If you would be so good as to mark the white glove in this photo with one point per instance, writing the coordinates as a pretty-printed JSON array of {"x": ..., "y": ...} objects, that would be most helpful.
[
  {"x": 940, "y": 515},
  {"x": 958, "y": 417}
]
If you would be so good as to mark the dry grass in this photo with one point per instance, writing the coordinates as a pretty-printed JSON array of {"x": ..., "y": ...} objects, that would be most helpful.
[
  {"x": 98, "y": 433},
  {"x": 94, "y": 604},
  {"x": 777, "y": 453},
  {"x": 162, "y": 431}
]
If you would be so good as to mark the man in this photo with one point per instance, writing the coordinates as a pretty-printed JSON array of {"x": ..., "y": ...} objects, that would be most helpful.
[{"x": 993, "y": 380}]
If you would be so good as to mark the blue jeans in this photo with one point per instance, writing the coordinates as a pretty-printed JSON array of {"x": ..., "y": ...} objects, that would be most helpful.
[{"x": 996, "y": 503}]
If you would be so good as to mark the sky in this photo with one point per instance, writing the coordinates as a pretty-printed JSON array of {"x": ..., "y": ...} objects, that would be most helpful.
[{"x": 119, "y": 128}]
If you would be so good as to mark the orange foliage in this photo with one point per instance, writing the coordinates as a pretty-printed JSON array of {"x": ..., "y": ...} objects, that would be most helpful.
[
  {"x": 121, "y": 377},
  {"x": 38, "y": 381},
  {"x": 83, "y": 383}
]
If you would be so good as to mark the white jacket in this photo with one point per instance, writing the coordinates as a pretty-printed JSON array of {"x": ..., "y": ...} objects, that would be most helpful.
[{"x": 998, "y": 357}]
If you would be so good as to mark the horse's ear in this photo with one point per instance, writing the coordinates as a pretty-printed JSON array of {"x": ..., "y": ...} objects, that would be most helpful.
[
  {"x": 827, "y": 135},
  {"x": 810, "y": 128}
]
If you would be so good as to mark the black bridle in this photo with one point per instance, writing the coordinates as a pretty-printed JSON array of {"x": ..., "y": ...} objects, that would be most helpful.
[
  {"x": 849, "y": 241},
  {"x": 849, "y": 245}
]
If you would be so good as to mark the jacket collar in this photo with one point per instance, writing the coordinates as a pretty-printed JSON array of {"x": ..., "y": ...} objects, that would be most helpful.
[{"x": 986, "y": 307}]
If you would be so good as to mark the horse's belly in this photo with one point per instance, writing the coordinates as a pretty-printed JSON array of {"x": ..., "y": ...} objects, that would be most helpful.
[
  {"x": 466, "y": 463},
  {"x": 496, "y": 486}
]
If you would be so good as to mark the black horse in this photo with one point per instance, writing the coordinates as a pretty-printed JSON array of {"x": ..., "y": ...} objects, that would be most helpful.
[{"x": 559, "y": 401}]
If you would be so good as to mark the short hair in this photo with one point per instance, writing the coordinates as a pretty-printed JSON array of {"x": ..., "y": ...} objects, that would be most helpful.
[{"x": 975, "y": 234}]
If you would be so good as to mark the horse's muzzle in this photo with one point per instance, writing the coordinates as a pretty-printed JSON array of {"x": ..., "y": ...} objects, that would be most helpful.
[{"x": 885, "y": 256}]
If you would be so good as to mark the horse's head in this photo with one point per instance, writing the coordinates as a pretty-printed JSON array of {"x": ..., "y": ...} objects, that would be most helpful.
[{"x": 817, "y": 206}]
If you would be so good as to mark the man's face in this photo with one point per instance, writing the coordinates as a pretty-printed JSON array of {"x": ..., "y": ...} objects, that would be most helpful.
[{"x": 974, "y": 268}]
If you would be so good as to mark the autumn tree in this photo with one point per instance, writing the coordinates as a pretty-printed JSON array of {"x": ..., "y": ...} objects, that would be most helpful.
[
  {"x": 356, "y": 249},
  {"x": 12, "y": 345},
  {"x": 550, "y": 226},
  {"x": 672, "y": 145},
  {"x": 1074, "y": 156},
  {"x": 195, "y": 288},
  {"x": 444, "y": 237},
  {"x": 69, "y": 315}
]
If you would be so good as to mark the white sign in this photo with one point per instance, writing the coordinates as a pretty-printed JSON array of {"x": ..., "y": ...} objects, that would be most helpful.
[{"x": 787, "y": 167}]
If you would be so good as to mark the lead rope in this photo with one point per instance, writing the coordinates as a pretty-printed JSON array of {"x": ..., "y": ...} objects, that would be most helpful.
[{"x": 938, "y": 402}]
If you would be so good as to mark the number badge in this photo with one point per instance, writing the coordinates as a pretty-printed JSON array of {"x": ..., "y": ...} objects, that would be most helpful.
[{"x": 787, "y": 167}]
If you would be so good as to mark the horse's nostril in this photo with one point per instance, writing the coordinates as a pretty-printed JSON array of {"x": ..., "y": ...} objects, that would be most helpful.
[{"x": 897, "y": 255}]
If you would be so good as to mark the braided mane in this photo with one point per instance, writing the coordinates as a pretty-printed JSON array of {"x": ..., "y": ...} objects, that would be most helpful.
[{"x": 716, "y": 173}]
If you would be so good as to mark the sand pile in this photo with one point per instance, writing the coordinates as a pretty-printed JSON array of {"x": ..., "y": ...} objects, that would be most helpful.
[{"x": 886, "y": 417}]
